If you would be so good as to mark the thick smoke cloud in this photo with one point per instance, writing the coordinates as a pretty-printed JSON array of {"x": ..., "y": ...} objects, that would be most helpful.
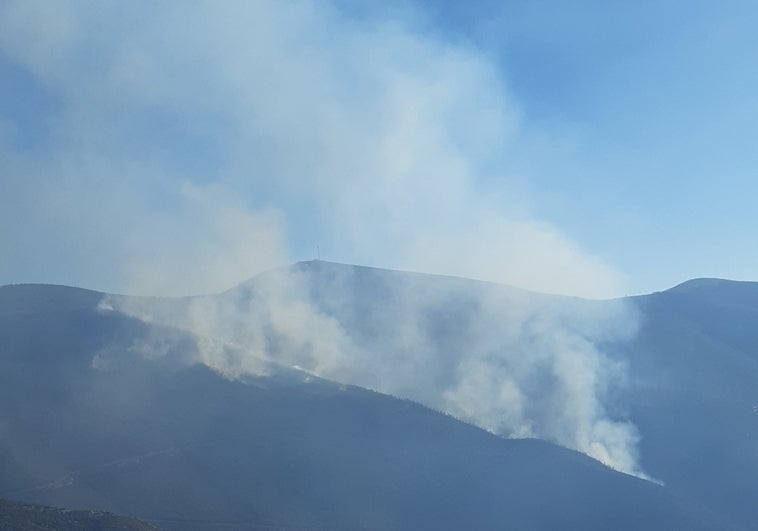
[
  {"x": 184, "y": 147},
  {"x": 515, "y": 363}
]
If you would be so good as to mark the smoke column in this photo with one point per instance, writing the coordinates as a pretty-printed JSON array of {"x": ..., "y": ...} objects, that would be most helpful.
[{"x": 515, "y": 363}]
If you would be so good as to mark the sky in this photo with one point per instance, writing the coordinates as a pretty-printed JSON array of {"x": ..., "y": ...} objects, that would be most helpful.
[{"x": 588, "y": 148}]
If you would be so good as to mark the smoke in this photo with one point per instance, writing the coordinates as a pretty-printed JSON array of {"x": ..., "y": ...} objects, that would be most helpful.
[
  {"x": 183, "y": 147},
  {"x": 515, "y": 363}
]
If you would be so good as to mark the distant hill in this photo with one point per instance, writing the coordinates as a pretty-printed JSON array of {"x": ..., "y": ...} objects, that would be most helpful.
[
  {"x": 15, "y": 516},
  {"x": 116, "y": 404},
  {"x": 694, "y": 392}
]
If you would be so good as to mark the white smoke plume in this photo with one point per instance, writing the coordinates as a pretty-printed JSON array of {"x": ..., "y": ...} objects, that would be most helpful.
[
  {"x": 187, "y": 146},
  {"x": 515, "y": 363}
]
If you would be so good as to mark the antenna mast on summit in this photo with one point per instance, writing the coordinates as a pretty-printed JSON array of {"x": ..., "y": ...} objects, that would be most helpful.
[{"x": 318, "y": 253}]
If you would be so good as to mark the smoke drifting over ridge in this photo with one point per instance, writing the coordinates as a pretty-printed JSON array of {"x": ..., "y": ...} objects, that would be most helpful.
[
  {"x": 183, "y": 148},
  {"x": 516, "y": 363}
]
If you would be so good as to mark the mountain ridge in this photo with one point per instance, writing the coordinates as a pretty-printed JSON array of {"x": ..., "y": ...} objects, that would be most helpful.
[
  {"x": 697, "y": 284},
  {"x": 691, "y": 363},
  {"x": 175, "y": 441}
]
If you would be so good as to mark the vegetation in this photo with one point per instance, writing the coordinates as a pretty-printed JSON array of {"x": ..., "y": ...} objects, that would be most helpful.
[{"x": 28, "y": 517}]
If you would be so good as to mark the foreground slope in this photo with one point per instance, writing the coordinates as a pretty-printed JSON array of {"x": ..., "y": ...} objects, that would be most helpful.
[
  {"x": 691, "y": 378},
  {"x": 691, "y": 366},
  {"x": 15, "y": 516},
  {"x": 88, "y": 421}
]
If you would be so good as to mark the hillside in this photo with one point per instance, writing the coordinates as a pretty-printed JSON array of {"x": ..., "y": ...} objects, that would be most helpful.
[
  {"x": 15, "y": 516},
  {"x": 694, "y": 392},
  {"x": 90, "y": 421}
]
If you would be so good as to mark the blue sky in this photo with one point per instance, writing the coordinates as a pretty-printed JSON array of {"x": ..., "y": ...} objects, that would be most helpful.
[{"x": 589, "y": 148}]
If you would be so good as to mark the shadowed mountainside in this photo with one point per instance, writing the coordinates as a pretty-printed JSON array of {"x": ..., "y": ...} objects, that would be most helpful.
[
  {"x": 694, "y": 392},
  {"x": 87, "y": 421}
]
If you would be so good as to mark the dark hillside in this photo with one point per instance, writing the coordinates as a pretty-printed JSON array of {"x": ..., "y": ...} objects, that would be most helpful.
[
  {"x": 694, "y": 365},
  {"x": 15, "y": 516},
  {"x": 181, "y": 446}
]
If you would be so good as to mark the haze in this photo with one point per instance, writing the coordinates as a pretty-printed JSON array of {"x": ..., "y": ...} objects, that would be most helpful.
[{"x": 594, "y": 149}]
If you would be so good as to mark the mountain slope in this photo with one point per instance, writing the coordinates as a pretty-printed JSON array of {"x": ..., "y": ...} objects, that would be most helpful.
[
  {"x": 694, "y": 366},
  {"x": 691, "y": 381},
  {"x": 88, "y": 420}
]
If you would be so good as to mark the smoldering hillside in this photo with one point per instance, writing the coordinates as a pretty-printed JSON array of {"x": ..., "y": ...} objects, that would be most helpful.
[
  {"x": 515, "y": 363},
  {"x": 661, "y": 386},
  {"x": 105, "y": 411}
]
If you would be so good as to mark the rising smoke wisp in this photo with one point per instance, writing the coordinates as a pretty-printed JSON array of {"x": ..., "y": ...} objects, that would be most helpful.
[
  {"x": 186, "y": 147},
  {"x": 516, "y": 363}
]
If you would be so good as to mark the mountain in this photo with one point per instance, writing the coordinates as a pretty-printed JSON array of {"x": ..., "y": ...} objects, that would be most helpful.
[
  {"x": 694, "y": 398},
  {"x": 237, "y": 410},
  {"x": 690, "y": 383},
  {"x": 15, "y": 516}
]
